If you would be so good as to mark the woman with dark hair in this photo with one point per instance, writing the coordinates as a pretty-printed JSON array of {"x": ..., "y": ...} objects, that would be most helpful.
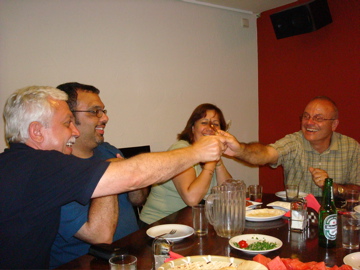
[{"x": 190, "y": 186}]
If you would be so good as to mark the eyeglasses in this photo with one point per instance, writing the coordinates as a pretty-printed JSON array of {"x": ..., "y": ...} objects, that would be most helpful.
[
  {"x": 316, "y": 118},
  {"x": 98, "y": 113}
]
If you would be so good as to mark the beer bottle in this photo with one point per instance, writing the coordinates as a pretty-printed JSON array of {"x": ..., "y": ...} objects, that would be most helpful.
[{"x": 328, "y": 217}]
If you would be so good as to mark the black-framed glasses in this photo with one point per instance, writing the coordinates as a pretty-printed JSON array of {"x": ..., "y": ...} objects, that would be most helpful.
[
  {"x": 98, "y": 112},
  {"x": 316, "y": 118}
]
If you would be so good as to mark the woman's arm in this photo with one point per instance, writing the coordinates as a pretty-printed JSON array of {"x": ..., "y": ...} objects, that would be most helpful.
[
  {"x": 222, "y": 173},
  {"x": 192, "y": 189}
]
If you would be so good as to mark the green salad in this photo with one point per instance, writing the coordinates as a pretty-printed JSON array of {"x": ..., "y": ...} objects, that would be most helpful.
[{"x": 258, "y": 245}]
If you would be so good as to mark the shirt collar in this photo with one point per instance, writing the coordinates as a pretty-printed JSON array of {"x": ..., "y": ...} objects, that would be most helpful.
[{"x": 334, "y": 144}]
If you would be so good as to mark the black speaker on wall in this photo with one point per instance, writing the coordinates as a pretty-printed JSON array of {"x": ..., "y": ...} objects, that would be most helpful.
[{"x": 301, "y": 19}]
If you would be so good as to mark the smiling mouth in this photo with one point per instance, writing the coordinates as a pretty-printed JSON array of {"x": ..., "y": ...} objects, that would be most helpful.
[
  {"x": 312, "y": 130},
  {"x": 70, "y": 143}
]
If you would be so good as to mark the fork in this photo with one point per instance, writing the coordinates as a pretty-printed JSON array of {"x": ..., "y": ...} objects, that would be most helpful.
[{"x": 171, "y": 232}]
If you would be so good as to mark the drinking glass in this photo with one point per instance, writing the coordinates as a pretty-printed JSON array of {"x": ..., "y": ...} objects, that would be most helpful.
[
  {"x": 123, "y": 262},
  {"x": 350, "y": 230},
  {"x": 255, "y": 193},
  {"x": 200, "y": 222},
  {"x": 352, "y": 199},
  {"x": 292, "y": 192}
]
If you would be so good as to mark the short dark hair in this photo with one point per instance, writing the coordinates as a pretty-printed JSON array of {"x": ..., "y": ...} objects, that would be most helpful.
[
  {"x": 71, "y": 89},
  {"x": 198, "y": 113}
]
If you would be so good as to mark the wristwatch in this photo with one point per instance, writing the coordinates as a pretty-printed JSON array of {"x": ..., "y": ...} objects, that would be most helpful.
[{"x": 340, "y": 190}]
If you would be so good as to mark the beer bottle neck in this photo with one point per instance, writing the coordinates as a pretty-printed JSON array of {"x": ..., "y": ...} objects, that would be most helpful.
[{"x": 328, "y": 195}]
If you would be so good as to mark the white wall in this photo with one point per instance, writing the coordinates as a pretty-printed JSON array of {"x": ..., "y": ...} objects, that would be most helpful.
[{"x": 153, "y": 60}]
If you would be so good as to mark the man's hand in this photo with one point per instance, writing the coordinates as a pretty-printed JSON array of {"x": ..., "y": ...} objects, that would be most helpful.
[
  {"x": 318, "y": 176},
  {"x": 210, "y": 148},
  {"x": 233, "y": 146}
]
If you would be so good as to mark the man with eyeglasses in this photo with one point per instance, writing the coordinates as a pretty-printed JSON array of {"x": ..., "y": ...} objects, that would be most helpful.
[
  {"x": 104, "y": 219},
  {"x": 312, "y": 154},
  {"x": 38, "y": 174}
]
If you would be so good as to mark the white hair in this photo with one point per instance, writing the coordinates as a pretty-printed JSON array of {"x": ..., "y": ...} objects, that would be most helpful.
[{"x": 27, "y": 105}]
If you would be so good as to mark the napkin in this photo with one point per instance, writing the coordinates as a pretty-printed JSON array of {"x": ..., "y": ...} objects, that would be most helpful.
[
  {"x": 173, "y": 256},
  {"x": 312, "y": 202}
]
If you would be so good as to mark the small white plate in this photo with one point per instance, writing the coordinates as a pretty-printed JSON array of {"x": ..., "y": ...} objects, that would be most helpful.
[
  {"x": 251, "y": 238},
  {"x": 265, "y": 214},
  {"x": 280, "y": 205},
  {"x": 254, "y": 204},
  {"x": 282, "y": 194},
  {"x": 353, "y": 259},
  {"x": 182, "y": 231},
  {"x": 357, "y": 208}
]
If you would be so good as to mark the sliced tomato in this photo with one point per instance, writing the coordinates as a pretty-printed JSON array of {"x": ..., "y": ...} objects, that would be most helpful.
[{"x": 243, "y": 244}]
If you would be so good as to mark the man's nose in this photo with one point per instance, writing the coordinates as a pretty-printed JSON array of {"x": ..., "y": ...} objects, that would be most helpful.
[{"x": 75, "y": 131}]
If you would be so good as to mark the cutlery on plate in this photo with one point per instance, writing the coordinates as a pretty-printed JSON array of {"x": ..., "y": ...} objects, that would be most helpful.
[{"x": 171, "y": 232}]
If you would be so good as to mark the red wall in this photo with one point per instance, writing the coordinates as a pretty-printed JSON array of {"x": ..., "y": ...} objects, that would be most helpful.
[{"x": 295, "y": 69}]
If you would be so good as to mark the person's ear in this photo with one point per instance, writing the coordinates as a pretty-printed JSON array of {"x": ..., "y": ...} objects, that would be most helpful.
[
  {"x": 335, "y": 124},
  {"x": 35, "y": 132}
]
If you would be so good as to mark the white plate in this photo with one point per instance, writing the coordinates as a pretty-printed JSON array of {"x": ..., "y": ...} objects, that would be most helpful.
[
  {"x": 282, "y": 194},
  {"x": 265, "y": 214},
  {"x": 251, "y": 238},
  {"x": 182, "y": 231},
  {"x": 280, "y": 205},
  {"x": 357, "y": 208},
  {"x": 254, "y": 204},
  {"x": 353, "y": 259},
  {"x": 245, "y": 264}
]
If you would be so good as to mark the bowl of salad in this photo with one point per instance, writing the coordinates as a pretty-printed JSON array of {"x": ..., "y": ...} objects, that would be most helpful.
[{"x": 255, "y": 243}]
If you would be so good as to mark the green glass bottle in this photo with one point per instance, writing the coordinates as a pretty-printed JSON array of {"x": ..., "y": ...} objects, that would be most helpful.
[{"x": 328, "y": 217}]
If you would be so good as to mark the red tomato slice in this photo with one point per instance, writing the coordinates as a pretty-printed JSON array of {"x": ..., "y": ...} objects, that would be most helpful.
[{"x": 243, "y": 244}]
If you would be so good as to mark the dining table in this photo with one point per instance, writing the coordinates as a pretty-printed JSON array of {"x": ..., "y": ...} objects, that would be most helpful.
[{"x": 301, "y": 245}]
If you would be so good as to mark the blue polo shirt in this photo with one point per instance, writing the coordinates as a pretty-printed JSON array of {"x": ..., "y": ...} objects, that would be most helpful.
[{"x": 73, "y": 215}]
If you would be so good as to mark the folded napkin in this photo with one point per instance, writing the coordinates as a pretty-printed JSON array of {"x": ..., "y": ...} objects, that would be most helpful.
[
  {"x": 173, "y": 256},
  {"x": 312, "y": 202}
]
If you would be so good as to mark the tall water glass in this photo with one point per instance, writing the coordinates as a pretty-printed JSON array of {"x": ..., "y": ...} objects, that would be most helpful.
[
  {"x": 200, "y": 223},
  {"x": 350, "y": 230}
]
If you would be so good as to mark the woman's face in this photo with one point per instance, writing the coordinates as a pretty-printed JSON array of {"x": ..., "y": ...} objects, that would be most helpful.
[{"x": 202, "y": 126}]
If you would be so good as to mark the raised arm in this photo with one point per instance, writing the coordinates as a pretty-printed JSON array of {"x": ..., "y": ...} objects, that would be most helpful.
[
  {"x": 253, "y": 153},
  {"x": 146, "y": 169}
]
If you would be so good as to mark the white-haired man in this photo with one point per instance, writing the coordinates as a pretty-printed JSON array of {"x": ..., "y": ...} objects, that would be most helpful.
[{"x": 36, "y": 178}]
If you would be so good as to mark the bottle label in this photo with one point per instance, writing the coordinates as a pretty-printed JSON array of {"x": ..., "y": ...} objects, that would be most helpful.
[{"x": 330, "y": 227}]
